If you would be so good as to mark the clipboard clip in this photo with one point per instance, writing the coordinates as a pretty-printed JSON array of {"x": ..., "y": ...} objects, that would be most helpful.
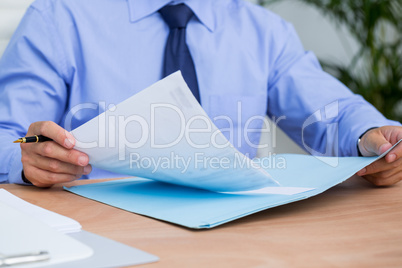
[{"x": 8, "y": 260}]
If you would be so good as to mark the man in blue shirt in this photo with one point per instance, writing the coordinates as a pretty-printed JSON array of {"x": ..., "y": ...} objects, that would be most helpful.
[{"x": 70, "y": 53}]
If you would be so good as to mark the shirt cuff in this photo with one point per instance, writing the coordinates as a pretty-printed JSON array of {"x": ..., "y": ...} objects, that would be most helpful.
[{"x": 358, "y": 141}]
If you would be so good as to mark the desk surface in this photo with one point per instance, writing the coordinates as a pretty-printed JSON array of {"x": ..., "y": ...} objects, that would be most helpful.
[{"x": 350, "y": 225}]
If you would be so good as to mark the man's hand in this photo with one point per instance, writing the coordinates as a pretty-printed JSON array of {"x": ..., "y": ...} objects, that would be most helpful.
[
  {"x": 51, "y": 162},
  {"x": 388, "y": 170}
]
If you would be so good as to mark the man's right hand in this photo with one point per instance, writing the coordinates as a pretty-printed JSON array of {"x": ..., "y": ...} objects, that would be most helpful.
[{"x": 52, "y": 162}]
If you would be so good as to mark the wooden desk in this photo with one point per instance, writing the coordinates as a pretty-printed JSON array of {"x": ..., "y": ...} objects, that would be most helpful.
[{"x": 351, "y": 225}]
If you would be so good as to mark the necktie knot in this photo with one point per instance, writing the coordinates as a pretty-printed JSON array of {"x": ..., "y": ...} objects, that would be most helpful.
[{"x": 176, "y": 16}]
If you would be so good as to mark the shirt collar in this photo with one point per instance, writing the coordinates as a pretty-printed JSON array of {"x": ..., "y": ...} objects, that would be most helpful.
[{"x": 203, "y": 10}]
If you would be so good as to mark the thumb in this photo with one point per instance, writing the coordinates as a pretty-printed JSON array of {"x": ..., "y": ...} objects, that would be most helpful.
[{"x": 373, "y": 143}]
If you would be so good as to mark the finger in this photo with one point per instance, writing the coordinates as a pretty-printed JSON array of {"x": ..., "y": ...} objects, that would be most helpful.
[
  {"x": 384, "y": 178},
  {"x": 57, "y": 166},
  {"x": 379, "y": 166},
  {"x": 374, "y": 143},
  {"x": 43, "y": 178},
  {"x": 394, "y": 154},
  {"x": 55, "y": 151},
  {"x": 53, "y": 131},
  {"x": 395, "y": 136}
]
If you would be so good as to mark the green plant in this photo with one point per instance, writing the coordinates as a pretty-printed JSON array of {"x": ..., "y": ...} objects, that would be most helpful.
[{"x": 375, "y": 71}]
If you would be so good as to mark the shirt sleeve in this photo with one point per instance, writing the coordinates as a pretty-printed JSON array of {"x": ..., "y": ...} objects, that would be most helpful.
[
  {"x": 32, "y": 86},
  {"x": 316, "y": 110}
]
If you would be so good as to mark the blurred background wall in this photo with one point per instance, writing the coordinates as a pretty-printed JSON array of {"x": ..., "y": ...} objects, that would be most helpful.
[{"x": 11, "y": 12}]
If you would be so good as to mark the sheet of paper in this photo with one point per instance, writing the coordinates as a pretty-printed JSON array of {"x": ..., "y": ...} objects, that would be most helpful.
[
  {"x": 162, "y": 133},
  {"x": 273, "y": 190},
  {"x": 21, "y": 234},
  {"x": 56, "y": 221}
]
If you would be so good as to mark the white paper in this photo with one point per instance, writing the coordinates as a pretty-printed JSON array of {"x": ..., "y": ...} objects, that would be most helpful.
[
  {"x": 146, "y": 136},
  {"x": 21, "y": 234},
  {"x": 56, "y": 221}
]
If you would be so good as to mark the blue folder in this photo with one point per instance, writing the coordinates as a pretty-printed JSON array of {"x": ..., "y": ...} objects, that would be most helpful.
[{"x": 196, "y": 208}]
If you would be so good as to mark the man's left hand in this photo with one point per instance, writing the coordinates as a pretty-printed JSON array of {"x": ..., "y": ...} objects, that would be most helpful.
[{"x": 388, "y": 170}]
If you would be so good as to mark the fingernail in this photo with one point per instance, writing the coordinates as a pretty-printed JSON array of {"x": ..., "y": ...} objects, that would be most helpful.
[
  {"x": 69, "y": 141},
  {"x": 83, "y": 160},
  {"x": 391, "y": 158},
  {"x": 362, "y": 172},
  {"x": 87, "y": 169}
]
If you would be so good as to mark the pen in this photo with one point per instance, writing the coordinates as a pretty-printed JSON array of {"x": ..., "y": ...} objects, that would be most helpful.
[{"x": 36, "y": 138}]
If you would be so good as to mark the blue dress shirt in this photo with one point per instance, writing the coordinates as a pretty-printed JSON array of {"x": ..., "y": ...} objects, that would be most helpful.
[{"x": 249, "y": 63}]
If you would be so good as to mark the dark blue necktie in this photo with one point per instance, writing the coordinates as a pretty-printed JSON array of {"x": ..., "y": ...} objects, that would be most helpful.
[{"x": 177, "y": 54}]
